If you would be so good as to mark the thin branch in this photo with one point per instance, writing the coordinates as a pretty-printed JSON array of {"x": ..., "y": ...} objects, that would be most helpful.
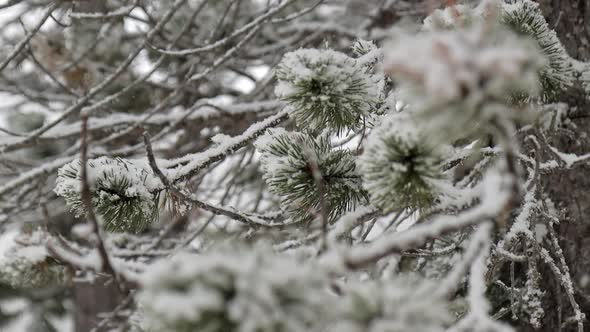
[
  {"x": 255, "y": 23},
  {"x": 241, "y": 217},
  {"x": 320, "y": 185},
  {"x": 86, "y": 197},
  {"x": 21, "y": 45}
]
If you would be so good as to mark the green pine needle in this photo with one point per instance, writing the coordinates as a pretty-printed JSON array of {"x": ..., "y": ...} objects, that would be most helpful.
[
  {"x": 327, "y": 89},
  {"x": 286, "y": 166},
  {"x": 525, "y": 17},
  {"x": 119, "y": 193},
  {"x": 401, "y": 168}
]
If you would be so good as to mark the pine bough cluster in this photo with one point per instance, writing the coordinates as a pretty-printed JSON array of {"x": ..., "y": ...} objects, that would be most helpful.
[
  {"x": 419, "y": 130},
  {"x": 288, "y": 159},
  {"x": 257, "y": 291},
  {"x": 28, "y": 265},
  {"x": 120, "y": 191}
]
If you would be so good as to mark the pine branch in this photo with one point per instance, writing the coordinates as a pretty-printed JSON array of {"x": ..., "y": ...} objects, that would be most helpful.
[
  {"x": 178, "y": 194},
  {"x": 86, "y": 198}
]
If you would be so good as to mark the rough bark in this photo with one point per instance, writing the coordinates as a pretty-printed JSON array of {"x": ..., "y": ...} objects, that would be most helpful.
[
  {"x": 92, "y": 298},
  {"x": 570, "y": 189}
]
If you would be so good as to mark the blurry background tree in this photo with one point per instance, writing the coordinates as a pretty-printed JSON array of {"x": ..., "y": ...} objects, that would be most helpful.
[{"x": 430, "y": 174}]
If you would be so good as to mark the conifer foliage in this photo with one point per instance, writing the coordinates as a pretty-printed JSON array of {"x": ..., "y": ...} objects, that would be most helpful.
[
  {"x": 558, "y": 74},
  {"x": 250, "y": 291},
  {"x": 289, "y": 161},
  {"x": 401, "y": 167},
  {"x": 120, "y": 193},
  {"x": 30, "y": 265},
  {"x": 327, "y": 89}
]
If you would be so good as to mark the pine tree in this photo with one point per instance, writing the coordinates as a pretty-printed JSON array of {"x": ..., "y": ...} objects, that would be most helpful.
[{"x": 292, "y": 165}]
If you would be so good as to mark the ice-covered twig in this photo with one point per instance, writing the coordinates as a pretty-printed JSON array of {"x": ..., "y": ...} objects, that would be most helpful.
[
  {"x": 122, "y": 11},
  {"x": 193, "y": 163},
  {"x": 478, "y": 317},
  {"x": 23, "y": 43},
  {"x": 256, "y": 22},
  {"x": 79, "y": 104},
  {"x": 168, "y": 185},
  {"x": 495, "y": 198},
  {"x": 480, "y": 241}
]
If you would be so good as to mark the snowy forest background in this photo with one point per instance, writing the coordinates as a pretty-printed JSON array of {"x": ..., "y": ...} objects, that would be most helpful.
[{"x": 294, "y": 165}]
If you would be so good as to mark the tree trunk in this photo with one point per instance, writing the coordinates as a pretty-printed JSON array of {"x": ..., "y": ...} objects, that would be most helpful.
[
  {"x": 570, "y": 189},
  {"x": 101, "y": 295},
  {"x": 92, "y": 298}
]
